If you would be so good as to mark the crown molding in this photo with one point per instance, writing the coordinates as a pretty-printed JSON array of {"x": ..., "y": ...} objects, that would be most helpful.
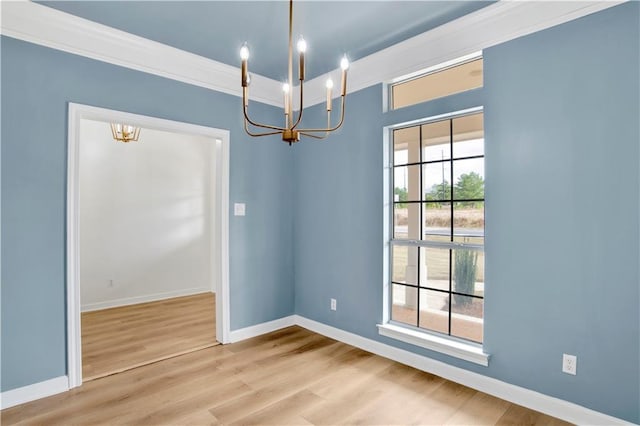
[
  {"x": 52, "y": 28},
  {"x": 486, "y": 27},
  {"x": 489, "y": 26}
]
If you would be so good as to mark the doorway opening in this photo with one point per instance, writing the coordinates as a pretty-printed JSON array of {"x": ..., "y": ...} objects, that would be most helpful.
[{"x": 147, "y": 242}]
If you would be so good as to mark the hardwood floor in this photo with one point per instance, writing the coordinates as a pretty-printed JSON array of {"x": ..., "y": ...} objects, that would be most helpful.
[
  {"x": 291, "y": 376},
  {"x": 118, "y": 339}
]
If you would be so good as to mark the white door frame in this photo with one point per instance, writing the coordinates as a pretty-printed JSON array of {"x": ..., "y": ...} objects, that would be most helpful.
[{"x": 78, "y": 112}]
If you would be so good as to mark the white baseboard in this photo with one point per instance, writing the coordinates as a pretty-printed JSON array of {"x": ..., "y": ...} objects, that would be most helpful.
[
  {"x": 259, "y": 329},
  {"x": 32, "y": 392},
  {"x": 143, "y": 299},
  {"x": 555, "y": 407}
]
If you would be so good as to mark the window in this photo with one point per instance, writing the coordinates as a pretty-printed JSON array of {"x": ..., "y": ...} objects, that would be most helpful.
[
  {"x": 465, "y": 74},
  {"x": 437, "y": 243}
]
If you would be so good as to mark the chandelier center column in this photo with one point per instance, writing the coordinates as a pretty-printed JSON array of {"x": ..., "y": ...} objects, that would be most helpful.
[{"x": 290, "y": 94}]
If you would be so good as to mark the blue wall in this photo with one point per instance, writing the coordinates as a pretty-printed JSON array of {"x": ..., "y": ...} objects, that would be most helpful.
[
  {"x": 562, "y": 206},
  {"x": 37, "y": 84},
  {"x": 562, "y": 212}
]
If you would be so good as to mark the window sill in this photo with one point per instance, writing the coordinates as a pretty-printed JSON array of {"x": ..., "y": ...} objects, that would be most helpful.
[{"x": 465, "y": 351}]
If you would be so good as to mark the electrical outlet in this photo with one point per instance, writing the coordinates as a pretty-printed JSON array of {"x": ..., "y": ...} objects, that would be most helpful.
[
  {"x": 334, "y": 304},
  {"x": 569, "y": 364}
]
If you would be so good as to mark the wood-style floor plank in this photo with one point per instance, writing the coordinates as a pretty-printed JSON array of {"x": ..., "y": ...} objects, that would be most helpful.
[
  {"x": 118, "y": 339},
  {"x": 292, "y": 376}
]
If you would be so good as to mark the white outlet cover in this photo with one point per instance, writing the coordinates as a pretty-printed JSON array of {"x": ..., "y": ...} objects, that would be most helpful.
[
  {"x": 238, "y": 209},
  {"x": 569, "y": 364}
]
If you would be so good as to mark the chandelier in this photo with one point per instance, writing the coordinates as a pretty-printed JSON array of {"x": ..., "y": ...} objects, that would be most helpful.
[
  {"x": 124, "y": 132},
  {"x": 290, "y": 131}
]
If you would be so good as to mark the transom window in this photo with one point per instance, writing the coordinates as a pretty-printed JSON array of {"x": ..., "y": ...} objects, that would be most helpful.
[
  {"x": 446, "y": 79},
  {"x": 437, "y": 246}
]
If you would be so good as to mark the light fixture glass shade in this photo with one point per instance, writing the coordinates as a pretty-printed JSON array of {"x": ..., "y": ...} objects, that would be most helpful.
[{"x": 125, "y": 132}]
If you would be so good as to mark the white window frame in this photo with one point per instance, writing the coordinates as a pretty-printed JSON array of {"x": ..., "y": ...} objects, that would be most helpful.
[{"x": 449, "y": 345}]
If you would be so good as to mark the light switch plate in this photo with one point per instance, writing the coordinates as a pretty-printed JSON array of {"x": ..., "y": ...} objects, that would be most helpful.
[{"x": 238, "y": 209}]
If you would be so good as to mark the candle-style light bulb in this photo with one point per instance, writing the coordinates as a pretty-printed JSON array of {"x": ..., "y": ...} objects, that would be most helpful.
[
  {"x": 329, "y": 85},
  {"x": 302, "y": 47},
  {"x": 244, "y": 52},
  {"x": 244, "y": 56},
  {"x": 344, "y": 64}
]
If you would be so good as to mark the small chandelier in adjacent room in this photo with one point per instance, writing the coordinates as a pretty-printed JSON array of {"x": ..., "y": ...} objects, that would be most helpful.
[
  {"x": 290, "y": 131},
  {"x": 124, "y": 132}
]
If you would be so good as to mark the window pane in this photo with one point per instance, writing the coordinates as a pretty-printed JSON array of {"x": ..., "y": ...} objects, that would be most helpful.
[
  {"x": 468, "y": 272},
  {"x": 406, "y": 223},
  {"x": 468, "y": 220},
  {"x": 434, "y": 311},
  {"x": 436, "y": 179},
  {"x": 406, "y": 148},
  {"x": 469, "y": 179},
  {"x": 436, "y": 141},
  {"x": 406, "y": 183},
  {"x": 434, "y": 268},
  {"x": 437, "y": 221},
  {"x": 467, "y": 317},
  {"x": 437, "y": 84},
  {"x": 404, "y": 301},
  {"x": 405, "y": 264},
  {"x": 400, "y": 221},
  {"x": 468, "y": 136}
]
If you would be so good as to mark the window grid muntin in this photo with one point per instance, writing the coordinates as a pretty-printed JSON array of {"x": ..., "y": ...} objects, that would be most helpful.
[
  {"x": 421, "y": 220},
  {"x": 419, "y": 244},
  {"x": 469, "y": 157}
]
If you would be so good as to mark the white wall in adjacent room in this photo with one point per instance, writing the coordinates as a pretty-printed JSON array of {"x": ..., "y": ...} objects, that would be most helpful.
[{"x": 146, "y": 216}]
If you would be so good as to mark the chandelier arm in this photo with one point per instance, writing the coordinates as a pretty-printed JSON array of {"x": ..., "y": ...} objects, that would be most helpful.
[
  {"x": 314, "y": 136},
  {"x": 330, "y": 129},
  {"x": 246, "y": 129},
  {"x": 264, "y": 126},
  {"x": 326, "y": 134},
  {"x": 301, "y": 108}
]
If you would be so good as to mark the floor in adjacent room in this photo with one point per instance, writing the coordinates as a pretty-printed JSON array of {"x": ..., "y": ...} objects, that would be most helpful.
[
  {"x": 291, "y": 376},
  {"x": 118, "y": 339}
]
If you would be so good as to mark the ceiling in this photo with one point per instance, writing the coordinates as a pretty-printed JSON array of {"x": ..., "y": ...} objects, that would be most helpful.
[{"x": 216, "y": 29}]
